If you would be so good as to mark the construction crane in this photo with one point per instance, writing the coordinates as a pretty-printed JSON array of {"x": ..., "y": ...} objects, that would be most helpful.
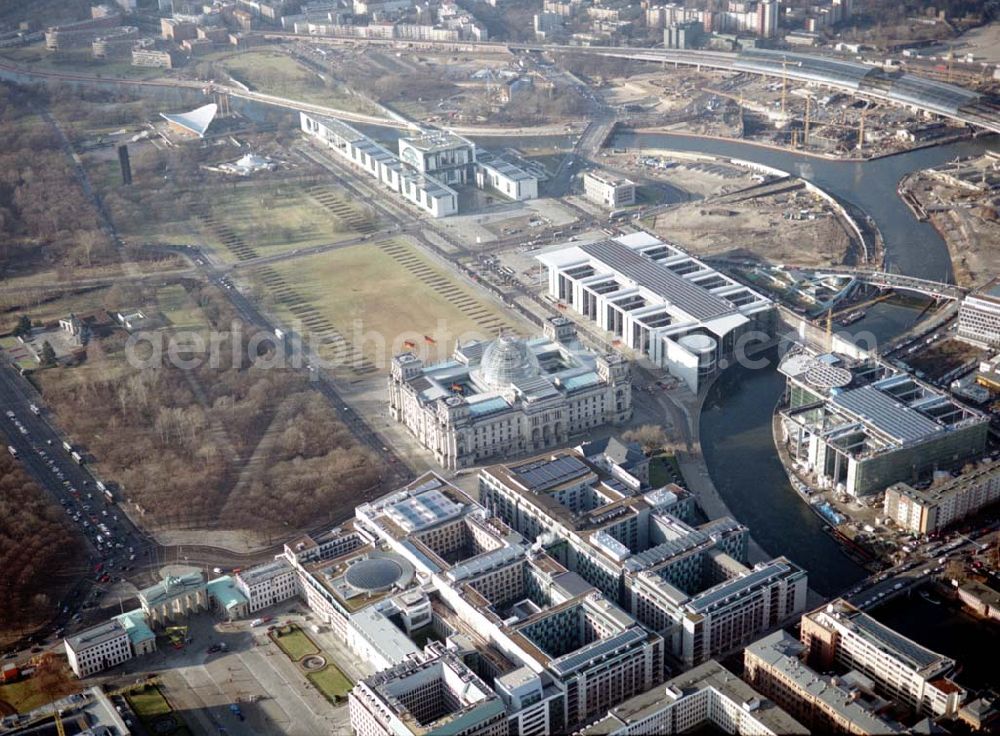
[
  {"x": 57, "y": 717},
  {"x": 805, "y": 132},
  {"x": 784, "y": 82}
]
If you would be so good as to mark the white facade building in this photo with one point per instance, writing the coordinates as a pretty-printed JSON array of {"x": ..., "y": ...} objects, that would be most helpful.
[
  {"x": 509, "y": 396},
  {"x": 497, "y": 174},
  {"x": 433, "y": 693},
  {"x": 98, "y": 648},
  {"x": 447, "y": 157},
  {"x": 902, "y": 670},
  {"x": 268, "y": 584},
  {"x": 608, "y": 191},
  {"x": 979, "y": 316},
  {"x": 428, "y": 194},
  {"x": 706, "y": 699},
  {"x": 684, "y": 315}
]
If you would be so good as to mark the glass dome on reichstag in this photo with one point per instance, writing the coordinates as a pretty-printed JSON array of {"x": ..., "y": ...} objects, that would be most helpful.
[{"x": 506, "y": 360}]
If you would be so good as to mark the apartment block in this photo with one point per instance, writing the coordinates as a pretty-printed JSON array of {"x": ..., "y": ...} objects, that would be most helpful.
[
  {"x": 774, "y": 666},
  {"x": 902, "y": 670},
  {"x": 928, "y": 510}
]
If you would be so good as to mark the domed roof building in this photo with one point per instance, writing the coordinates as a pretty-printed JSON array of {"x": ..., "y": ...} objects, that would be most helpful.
[
  {"x": 509, "y": 396},
  {"x": 507, "y": 360}
]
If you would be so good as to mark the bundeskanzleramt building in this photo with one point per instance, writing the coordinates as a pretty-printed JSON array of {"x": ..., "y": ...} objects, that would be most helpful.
[
  {"x": 902, "y": 670},
  {"x": 509, "y": 396},
  {"x": 859, "y": 426},
  {"x": 427, "y": 165},
  {"x": 927, "y": 510},
  {"x": 706, "y": 699},
  {"x": 979, "y": 316},
  {"x": 656, "y": 299}
]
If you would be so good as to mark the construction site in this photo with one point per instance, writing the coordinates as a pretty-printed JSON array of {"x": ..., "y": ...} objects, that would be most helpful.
[{"x": 960, "y": 198}]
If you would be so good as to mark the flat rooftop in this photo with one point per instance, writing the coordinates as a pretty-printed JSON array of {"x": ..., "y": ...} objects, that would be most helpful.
[
  {"x": 707, "y": 676},
  {"x": 643, "y": 271},
  {"x": 96, "y": 635},
  {"x": 781, "y": 651}
]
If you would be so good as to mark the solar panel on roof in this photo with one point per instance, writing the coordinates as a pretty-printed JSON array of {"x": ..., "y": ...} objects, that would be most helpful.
[
  {"x": 693, "y": 299},
  {"x": 886, "y": 414},
  {"x": 715, "y": 595},
  {"x": 569, "y": 662},
  {"x": 545, "y": 474},
  {"x": 918, "y": 656}
]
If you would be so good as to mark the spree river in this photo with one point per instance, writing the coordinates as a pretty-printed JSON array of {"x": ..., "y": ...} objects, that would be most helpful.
[{"x": 736, "y": 435}]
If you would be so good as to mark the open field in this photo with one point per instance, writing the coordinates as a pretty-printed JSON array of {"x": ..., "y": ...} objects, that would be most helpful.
[
  {"x": 331, "y": 682},
  {"x": 276, "y": 73},
  {"x": 364, "y": 302},
  {"x": 294, "y": 642},
  {"x": 236, "y": 220}
]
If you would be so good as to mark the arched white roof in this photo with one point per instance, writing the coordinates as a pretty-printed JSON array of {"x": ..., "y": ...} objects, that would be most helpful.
[{"x": 197, "y": 121}]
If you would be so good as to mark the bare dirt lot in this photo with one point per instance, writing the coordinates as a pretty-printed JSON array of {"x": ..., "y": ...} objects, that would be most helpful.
[
  {"x": 969, "y": 225},
  {"x": 789, "y": 225}
]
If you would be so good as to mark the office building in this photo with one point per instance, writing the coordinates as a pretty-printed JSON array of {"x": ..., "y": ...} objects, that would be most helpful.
[
  {"x": 838, "y": 634},
  {"x": 931, "y": 509},
  {"x": 690, "y": 585},
  {"x": 266, "y": 585},
  {"x": 979, "y": 316},
  {"x": 774, "y": 666},
  {"x": 428, "y": 562},
  {"x": 433, "y": 693},
  {"x": 98, "y": 648},
  {"x": 80, "y": 33},
  {"x": 508, "y": 396},
  {"x": 706, "y": 699},
  {"x": 608, "y": 190},
  {"x": 115, "y": 44},
  {"x": 859, "y": 426},
  {"x": 685, "y": 316},
  {"x": 685, "y": 35},
  {"x": 495, "y": 173}
]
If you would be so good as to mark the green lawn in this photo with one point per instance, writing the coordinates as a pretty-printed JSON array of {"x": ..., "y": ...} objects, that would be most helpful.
[
  {"x": 150, "y": 706},
  {"x": 275, "y": 73},
  {"x": 330, "y": 681},
  {"x": 294, "y": 642},
  {"x": 664, "y": 469}
]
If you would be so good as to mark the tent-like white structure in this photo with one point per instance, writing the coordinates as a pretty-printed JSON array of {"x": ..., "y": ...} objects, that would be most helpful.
[{"x": 196, "y": 121}]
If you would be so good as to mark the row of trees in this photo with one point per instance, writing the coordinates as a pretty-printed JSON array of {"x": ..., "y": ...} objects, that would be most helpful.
[{"x": 37, "y": 552}]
